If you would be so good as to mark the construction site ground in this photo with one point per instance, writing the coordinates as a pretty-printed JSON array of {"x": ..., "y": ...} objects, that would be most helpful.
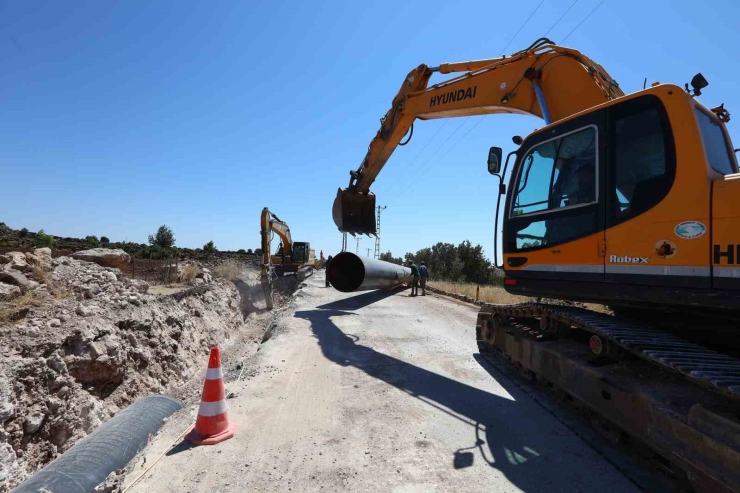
[{"x": 377, "y": 391}]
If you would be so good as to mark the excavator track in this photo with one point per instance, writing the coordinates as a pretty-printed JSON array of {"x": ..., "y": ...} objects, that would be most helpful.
[
  {"x": 648, "y": 388},
  {"x": 696, "y": 363}
]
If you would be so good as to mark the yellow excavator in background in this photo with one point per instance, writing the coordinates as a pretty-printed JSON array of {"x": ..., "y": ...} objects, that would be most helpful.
[
  {"x": 291, "y": 257},
  {"x": 628, "y": 201}
]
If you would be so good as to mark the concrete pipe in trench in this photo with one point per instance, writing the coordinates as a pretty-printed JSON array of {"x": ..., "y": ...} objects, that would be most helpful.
[
  {"x": 348, "y": 272},
  {"x": 110, "y": 447}
]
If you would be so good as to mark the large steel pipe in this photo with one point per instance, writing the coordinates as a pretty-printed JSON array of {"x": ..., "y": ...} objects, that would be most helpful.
[{"x": 348, "y": 272}]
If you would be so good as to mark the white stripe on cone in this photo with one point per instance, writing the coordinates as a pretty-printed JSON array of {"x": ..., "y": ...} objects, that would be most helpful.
[
  {"x": 214, "y": 374},
  {"x": 212, "y": 408}
]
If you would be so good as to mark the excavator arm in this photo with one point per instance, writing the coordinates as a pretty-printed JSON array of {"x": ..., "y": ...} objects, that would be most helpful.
[
  {"x": 269, "y": 223},
  {"x": 545, "y": 80}
]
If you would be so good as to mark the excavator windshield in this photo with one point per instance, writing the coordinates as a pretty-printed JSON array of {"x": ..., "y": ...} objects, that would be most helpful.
[{"x": 299, "y": 252}]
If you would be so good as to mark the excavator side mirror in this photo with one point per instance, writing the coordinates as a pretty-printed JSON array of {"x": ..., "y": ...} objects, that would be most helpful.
[{"x": 494, "y": 160}]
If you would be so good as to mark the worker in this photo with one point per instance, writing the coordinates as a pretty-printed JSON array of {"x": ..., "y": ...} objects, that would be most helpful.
[
  {"x": 415, "y": 278},
  {"x": 423, "y": 275},
  {"x": 328, "y": 261}
]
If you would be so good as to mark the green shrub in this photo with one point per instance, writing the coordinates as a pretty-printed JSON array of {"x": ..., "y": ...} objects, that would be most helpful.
[
  {"x": 92, "y": 241},
  {"x": 43, "y": 240}
]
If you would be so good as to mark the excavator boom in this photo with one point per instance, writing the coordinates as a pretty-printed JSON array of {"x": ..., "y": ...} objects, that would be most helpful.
[{"x": 544, "y": 80}]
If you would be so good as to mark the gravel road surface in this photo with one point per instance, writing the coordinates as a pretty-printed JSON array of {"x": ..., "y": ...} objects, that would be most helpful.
[{"x": 381, "y": 392}]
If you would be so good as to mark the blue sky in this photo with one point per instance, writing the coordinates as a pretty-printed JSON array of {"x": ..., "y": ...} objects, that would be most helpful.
[{"x": 116, "y": 117}]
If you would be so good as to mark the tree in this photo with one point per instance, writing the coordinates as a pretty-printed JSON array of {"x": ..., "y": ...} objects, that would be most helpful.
[
  {"x": 476, "y": 268},
  {"x": 44, "y": 240},
  {"x": 258, "y": 251},
  {"x": 104, "y": 241},
  {"x": 24, "y": 232},
  {"x": 209, "y": 248},
  {"x": 388, "y": 257},
  {"x": 249, "y": 251},
  {"x": 164, "y": 238},
  {"x": 242, "y": 251},
  {"x": 92, "y": 241},
  {"x": 444, "y": 262}
]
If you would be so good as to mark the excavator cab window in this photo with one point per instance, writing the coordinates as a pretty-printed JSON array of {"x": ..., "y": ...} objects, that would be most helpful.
[
  {"x": 299, "y": 252},
  {"x": 556, "y": 175},
  {"x": 642, "y": 166}
]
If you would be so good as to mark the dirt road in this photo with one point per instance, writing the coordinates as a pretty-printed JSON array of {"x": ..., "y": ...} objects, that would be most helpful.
[{"x": 378, "y": 392}]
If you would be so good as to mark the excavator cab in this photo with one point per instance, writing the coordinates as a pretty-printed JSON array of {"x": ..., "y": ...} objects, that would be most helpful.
[
  {"x": 300, "y": 252},
  {"x": 354, "y": 212},
  {"x": 631, "y": 201}
]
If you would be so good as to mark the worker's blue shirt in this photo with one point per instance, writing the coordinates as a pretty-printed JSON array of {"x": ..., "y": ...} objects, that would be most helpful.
[{"x": 423, "y": 272}]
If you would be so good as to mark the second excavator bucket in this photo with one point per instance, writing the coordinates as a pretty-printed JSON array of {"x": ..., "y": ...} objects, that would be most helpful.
[{"x": 354, "y": 212}]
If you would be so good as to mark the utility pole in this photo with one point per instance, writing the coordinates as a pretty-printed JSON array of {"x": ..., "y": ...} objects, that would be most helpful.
[
  {"x": 368, "y": 251},
  {"x": 357, "y": 248},
  {"x": 377, "y": 232}
]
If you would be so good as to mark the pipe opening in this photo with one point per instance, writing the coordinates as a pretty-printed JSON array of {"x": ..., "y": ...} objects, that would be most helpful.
[{"x": 346, "y": 272}]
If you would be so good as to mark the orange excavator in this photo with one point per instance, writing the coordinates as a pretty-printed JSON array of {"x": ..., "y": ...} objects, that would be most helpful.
[{"x": 622, "y": 200}]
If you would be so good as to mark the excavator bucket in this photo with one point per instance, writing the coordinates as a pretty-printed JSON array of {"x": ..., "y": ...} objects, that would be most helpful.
[{"x": 354, "y": 212}]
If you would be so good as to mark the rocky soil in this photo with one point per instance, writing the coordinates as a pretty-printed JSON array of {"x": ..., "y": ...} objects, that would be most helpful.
[{"x": 80, "y": 341}]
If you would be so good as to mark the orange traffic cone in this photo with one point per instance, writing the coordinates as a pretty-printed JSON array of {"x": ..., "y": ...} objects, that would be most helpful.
[{"x": 213, "y": 425}]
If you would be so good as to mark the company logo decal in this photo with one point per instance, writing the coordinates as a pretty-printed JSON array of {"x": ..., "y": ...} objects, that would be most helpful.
[{"x": 690, "y": 230}]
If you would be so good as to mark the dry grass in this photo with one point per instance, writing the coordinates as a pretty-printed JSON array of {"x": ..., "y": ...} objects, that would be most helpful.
[
  {"x": 189, "y": 272},
  {"x": 38, "y": 273},
  {"x": 62, "y": 293},
  {"x": 230, "y": 269},
  {"x": 14, "y": 309},
  {"x": 497, "y": 295},
  {"x": 488, "y": 294}
]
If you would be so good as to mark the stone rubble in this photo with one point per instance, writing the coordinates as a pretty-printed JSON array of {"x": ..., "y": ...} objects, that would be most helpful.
[{"x": 81, "y": 341}]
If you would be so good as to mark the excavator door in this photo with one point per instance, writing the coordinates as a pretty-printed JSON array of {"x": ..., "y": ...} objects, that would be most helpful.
[
  {"x": 554, "y": 220},
  {"x": 658, "y": 198}
]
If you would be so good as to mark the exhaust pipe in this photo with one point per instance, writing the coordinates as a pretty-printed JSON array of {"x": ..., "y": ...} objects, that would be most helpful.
[{"x": 348, "y": 272}]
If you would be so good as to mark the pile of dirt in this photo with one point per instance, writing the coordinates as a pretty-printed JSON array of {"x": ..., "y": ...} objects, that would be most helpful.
[{"x": 80, "y": 342}]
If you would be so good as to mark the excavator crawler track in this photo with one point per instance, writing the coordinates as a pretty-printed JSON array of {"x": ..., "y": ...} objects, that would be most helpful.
[
  {"x": 650, "y": 388},
  {"x": 698, "y": 364}
]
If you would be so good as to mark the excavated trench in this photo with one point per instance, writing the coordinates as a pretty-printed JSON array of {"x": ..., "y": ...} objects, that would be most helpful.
[{"x": 86, "y": 342}]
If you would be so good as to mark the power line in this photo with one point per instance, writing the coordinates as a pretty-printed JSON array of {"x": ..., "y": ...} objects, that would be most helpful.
[
  {"x": 465, "y": 120},
  {"x": 584, "y": 20},
  {"x": 458, "y": 141},
  {"x": 440, "y": 147},
  {"x": 481, "y": 119},
  {"x": 417, "y": 156},
  {"x": 462, "y": 138},
  {"x": 522, "y": 26},
  {"x": 560, "y": 19}
]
